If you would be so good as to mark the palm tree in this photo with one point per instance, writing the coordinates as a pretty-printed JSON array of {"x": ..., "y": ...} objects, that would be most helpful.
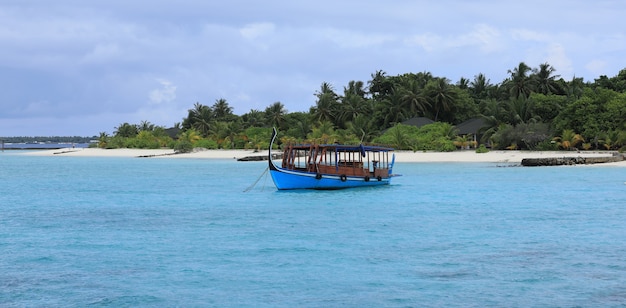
[
  {"x": 462, "y": 142},
  {"x": 232, "y": 131},
  {"x": 351, "y": 106},
  {"x": 353, "y": 103},
  {"x": 613, "y": 140},
  {"x": 254, "y": 118},
  {"x": 546, "y": 82},
  {"x": 146, "y": 126},
  {"x": 441, "y": 95},
  {"x": 190, "y": 135},
  {"x": 463, "y": 83},
  {"x": 257, "y": 142},
  {"x": 575, "y": 87},
  {"x": 326, "y": 105},
  {"x": 345, "y": 136},
  {"x": 126, "y": 130},
  {"x": 221, "y": 110},
  {"x": 301, "y": 128},
  {"x": 356, "y": 88},
  {"x": 493, "y": 113},
  {"x": 520, "y": 110},
  {"x": 220, "y": 132},
  {"x": 413, "y": 98},
  {"x": 324, "y": 132},
  {"x": 423, "y": 78},
  {"x": 275, "y": 114},
  {"x": 479, "y": 87},
  {"x": 568, "y": 140},
  {"x": 390, "y": 110},
  {"x": 200, "y": 118},
  {"x": 186, "y": 140},
  {"x": 520, "y": 83},
  {"x": 399, "y": 138},
  {"x": 380, "y": 85},
  {"x": 361, "y": 127},
  {"x": 103, "y": 140}
]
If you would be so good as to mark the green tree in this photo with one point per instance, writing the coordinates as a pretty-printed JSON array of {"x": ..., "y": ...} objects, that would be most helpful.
[
  {"x": 545, "y": 81},
  {"x": 520, "y": 84},
  {"x": 199, "y": 118},
  {"x": 258, "y": 137},
  {"x": 222, "y": 111},
  {"x": 275, "y": 114},
  {"x": 597, "y": 111},
  {"x": 547, "y": 107},
  {"x": 326, "y": 105},
  {"x": 126, "y": 130},
  {"x": 480, "y": 87},
  {"x": 353, "y": 103},
  {"x": 613, "y": 140},
  {"x": 103, "y": 140},
  {"x": 145, "y": 140},
  {"x": 465, "y": 107},
  {"x": 186, "y": 141},
  {"x": 380, "y": 85},
  {"x": 463, "y": 83},
  {"x": 254, "y": 118},
  {"x": 146, "y": 126},
  {"x": 398, "y": 136},
  {"x": 574, "y": 89},
  {"x": 441, "y": 96},
  {"x": 413, "y": 98},
  {"x": 299, "y": 124},
  {"x": 389, "y": 110},
  {"x": 323, "y": 132},
  {"x": 520, "y": 110},
  {"x": 569, "y": 140},
  {"x": 361, "y": 127},
  {"x": 190, "y": 135},
  {"x": 494, "y": 115}
]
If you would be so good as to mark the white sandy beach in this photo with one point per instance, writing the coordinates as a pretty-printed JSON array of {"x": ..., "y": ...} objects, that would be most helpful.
[{"x": 512, "y": 157}]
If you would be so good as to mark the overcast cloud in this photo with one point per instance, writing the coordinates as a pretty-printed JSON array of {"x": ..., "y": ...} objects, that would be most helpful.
[{"x": 73, "y": 67}]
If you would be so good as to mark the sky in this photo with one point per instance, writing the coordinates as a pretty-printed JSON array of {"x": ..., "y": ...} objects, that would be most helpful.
[{"x": 79, "y": 68}]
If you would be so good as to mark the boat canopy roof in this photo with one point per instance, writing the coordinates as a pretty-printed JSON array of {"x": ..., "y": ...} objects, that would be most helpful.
[{"x": 345, "y": 148}]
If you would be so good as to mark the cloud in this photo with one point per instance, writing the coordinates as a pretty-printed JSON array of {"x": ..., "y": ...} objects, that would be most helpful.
[
  {"x": 596, "y": 66},
  {"x": 102, "y": 52},
  {"x": 486, "y": 38},
  {"x": 557, "y": 57},
  {"x": 354, "y": 39},
  {"x": 256, "y": 30},
  {"x": 530, "y": 35},
  {"x": 483, "y": 37},
  {"x": 166, "y": 93},
  {"x": 427, "y": 41}
]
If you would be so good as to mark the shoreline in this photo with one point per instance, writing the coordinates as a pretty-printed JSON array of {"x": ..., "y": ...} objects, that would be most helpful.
[{"x": 460, "y": 156}]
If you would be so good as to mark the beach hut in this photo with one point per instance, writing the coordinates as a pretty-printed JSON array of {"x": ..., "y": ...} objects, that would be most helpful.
[
  {"x": 418, "y": 121},
  {"x": 472, "y": 128}
]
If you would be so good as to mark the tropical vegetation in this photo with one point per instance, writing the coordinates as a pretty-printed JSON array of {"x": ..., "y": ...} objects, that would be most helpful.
[{"x": 532, "y": 109}]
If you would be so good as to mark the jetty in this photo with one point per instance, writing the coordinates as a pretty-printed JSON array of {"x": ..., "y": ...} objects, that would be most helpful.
[
  {"x": 568, "y": 161},
  {"x": 260, "y": 157}
]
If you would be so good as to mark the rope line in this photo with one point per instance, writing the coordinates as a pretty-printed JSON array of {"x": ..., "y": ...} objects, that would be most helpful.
[{"x": 257, "y": 180}]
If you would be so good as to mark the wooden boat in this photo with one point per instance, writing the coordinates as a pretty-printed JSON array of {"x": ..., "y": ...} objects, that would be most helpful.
[{"x": 331, "y": 166}]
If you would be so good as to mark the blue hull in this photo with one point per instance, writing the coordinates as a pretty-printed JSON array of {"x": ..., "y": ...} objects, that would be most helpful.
[{"x": 287, "y": 179}]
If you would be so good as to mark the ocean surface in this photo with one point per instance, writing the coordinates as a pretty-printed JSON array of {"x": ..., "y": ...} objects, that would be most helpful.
[
  {"x": 43, "y": 146},
  {"x": 146, "y": 232}
]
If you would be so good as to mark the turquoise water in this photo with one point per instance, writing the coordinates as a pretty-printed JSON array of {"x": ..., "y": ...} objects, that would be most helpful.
[{"x": 77, "y": 231}]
